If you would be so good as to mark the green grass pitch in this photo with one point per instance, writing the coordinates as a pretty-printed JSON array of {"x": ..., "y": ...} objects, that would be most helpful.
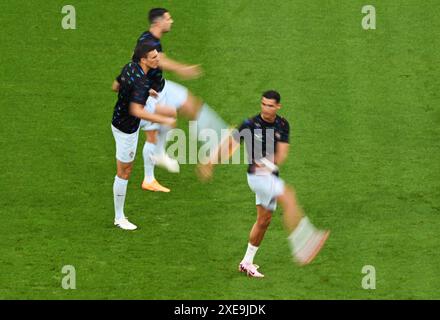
[{"x": 365, "y": 154}]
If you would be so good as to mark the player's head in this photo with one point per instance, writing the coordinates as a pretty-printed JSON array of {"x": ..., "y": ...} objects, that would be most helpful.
[
  {"x": 147, "y": 55},
  {"x": 160, "y": 18},
  {"x": 270, "y": 103}
]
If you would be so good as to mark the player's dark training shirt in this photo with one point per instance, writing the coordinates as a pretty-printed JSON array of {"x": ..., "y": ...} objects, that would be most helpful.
[
  {"x": 261, "y": 138},
  {"x": 134, "y": 87},
  {"x": 155, "y": 74}
]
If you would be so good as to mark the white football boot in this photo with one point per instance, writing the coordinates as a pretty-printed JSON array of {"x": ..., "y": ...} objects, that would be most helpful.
[
  {"x": 250, "y": 269},
  {"x": 124, "y": 224}
]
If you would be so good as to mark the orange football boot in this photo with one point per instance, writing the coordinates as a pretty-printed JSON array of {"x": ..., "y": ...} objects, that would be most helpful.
[{"x": 154, "y": 186}]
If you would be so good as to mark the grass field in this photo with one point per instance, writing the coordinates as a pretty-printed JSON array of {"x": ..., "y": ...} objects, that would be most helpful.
[{"x": 365, "y": 154}]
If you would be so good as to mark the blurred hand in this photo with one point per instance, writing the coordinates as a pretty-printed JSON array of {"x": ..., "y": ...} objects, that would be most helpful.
[
  {"x": 153, "y": 93},
  {"x": 170, "y": 121},
  {"x": 191, "y": 72}
]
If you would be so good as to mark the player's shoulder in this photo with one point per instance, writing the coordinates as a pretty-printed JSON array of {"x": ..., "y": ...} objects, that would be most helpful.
[
  {"x": 131, "y": 69},
  {"x": 132, "y": 73},
  {"x": 147, "y": 36},
  {"x": 282, "y": 122},
  {"x": 250, "y": 122},
  {"x": 126, "y": 72}
]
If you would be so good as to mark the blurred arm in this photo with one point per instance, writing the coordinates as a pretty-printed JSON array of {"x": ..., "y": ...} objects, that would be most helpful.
[
  {"x": 224, "y": 151},
  {"x": 115, "y": 86},
  {"x": 137, "y": 110},
  {"x": 282, "y": 152},
  {"x": 182, "y": 70}
]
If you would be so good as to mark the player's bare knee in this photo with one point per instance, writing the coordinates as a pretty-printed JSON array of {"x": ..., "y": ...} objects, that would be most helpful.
[
  {"x": 128, "y": 174},
  {"x": 288, "y": 196},
  {"x": 192, "y": 106},
  {"x": 125, "y": 172},
  {"x": 123, "y": 175},
  {"x": 288, "y": 191},
  {"x": 151, "y": 136},
  {"x": 264, "y": 221},
  {"x": 282, "y": 198}
]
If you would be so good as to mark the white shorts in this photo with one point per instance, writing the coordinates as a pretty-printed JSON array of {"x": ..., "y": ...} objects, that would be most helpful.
[
  {"x": 173, "y": 95},
  {"x": 126, "y": 145},
  {"x": 266, "y": 188}
]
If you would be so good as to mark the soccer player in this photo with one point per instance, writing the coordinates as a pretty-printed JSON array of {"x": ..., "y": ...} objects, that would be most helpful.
[
  {"x": 267, "y": 143},
  {"x": 171, "y": 94},
  {"x": 135, "y": 86}
]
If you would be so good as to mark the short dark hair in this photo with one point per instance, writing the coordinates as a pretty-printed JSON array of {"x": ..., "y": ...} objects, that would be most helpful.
[
  {"x": 142, "y": 50},
  {"x": 272, "y": 94},
  {"x": 156, "y": 13}
]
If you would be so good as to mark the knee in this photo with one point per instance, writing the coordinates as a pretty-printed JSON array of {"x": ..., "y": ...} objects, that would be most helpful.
[
  {"x": 125, "y": 173},
  {"x": 264, "y": 221},
  {"x": 192, "y": 106},
  {"x": 124, "y": 176},
  {"x": 151, "y": 136},
  {"x": 287, "y": 196},
  {"x": 290, "y": 191}
]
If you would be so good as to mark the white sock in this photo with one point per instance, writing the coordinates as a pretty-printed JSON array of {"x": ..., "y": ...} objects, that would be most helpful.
[
  {"x": 147, "y": 152},
  {"x": 302, "y": 233},
  {"x": 119, "y": 191},
  {"x": 250, "y": 254},
  {"x": 162, "y": 139}
]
